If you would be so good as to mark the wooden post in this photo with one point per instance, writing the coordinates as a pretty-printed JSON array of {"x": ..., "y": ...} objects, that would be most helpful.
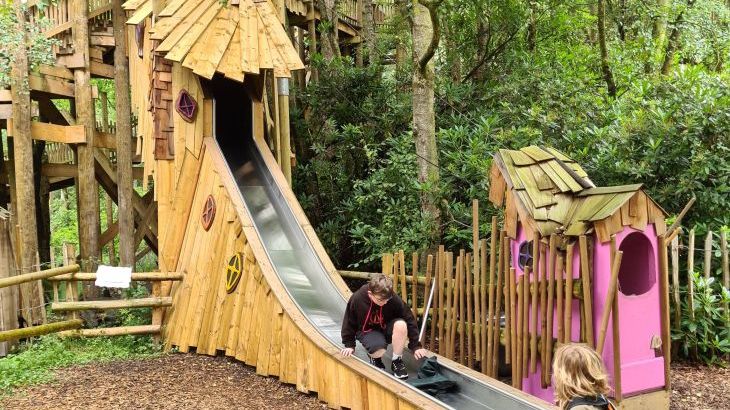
[
  {"x": 498, "y": 306},
  {"x": 495, "y": 314},
  {"x": 508, "y": 304},
  {"x": 708, "y": 254},
  {"x": 462, "y": 308},
  {"x": 525, "y": 325},
  {"x": 283, "y": 127},
  {"x": 664, "y": 308},
  {"x": 469, "y": 313},
  {"x": 448, "y": 272},
  {"x": 549, "y": 312},
  {"x": 483, "y": 298},
  {"x": 612, "y": 286},
  {"x": 513, "y": 320},
  {"x": 559, "y": 300},
  {"x": 69, "y": 258},
  {"x": 615, "y": 321},
  {"x": 427, "y": 291},
  {"x": 312, "y": 31},
  {"x": 25, "y": 211},
  {"x": 520, "y": 333},
  {"x": 395, "y": 272},
  {"x": 109, "y": 223},
  {"x": 568, "y": 321},
  {"x": 533, "y": 300},
  {"x": 414, "y": 287},
  {"x": 490, "y": 299},
  {"x": 104, "y": 101},
  {"x": 543, "y": 267},
  {"x": 441, "y": 269},
  {"x": 690, "y": 272},
  {"x": 8, "y": 296},
  {"x": 88, "y": 195},
  {"x": 587, "y": 290},
  {"x": 476, "y": 252},
  {"x": 675, "y": 282},
  {"x": 402, "y": 266}
]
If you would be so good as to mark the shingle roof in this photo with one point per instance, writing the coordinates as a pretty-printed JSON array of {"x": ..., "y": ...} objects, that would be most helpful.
[{"x": 551, "y": 193}]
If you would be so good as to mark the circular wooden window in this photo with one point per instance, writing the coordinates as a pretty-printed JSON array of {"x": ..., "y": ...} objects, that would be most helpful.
[
  {"x": 208, "y": 213},
  {"x": 186, "y": 106},
  {"x": 233, "y": 272},
  {"x": 525, "y": 254}
]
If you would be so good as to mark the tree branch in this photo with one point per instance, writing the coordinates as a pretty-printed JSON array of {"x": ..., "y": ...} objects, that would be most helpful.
[{"x": 432, "y": 7}]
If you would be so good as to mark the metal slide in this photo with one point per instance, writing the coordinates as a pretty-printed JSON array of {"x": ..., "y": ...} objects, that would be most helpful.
[{"x": 300, "y": 270}]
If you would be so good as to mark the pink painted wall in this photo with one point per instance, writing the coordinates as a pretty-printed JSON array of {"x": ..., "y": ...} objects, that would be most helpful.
[{"x": 639, "y": 312}]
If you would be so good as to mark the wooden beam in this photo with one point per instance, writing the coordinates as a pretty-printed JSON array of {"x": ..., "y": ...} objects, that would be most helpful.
[
  {"x": 102, "y": 40},
  {"x": 68, "y": 134},
  {"x": 108, "y": 235},
  {"x": 56, "y": 71},
  {"x": 113, "y": 331},
  {"x": 44, "y": 274},
  {"x": 5, "y": 96},
  {"x": 105, "y": 140},
  {"x": 6, "y": 111},
  {"x": 111, "y": 304},
  {"x": 102, "y": 70},
  {"x": 140, "y": 276},
  {"x": 53, "y": 86},
  {"x": 40, "y": 330},
  {"x": 59, "y": 170}
]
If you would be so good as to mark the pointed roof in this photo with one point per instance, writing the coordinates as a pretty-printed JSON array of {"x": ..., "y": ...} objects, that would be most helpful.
[
  {"x": 551, "y": 193},
  {"x": 208, "y": 36}
]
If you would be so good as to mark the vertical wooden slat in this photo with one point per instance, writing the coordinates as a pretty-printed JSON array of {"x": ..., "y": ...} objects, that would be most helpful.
[
  {"x": 426, "y": 293},
  {"x": 498, "y": 306},
  {"x": 559, "y": 300},
  {"x": 543, "y": 268},
  {"x": 533, "y": 300},
  {"x": 568, "y": 325},
  {"x": 483, "y": 298},
  {"x": 587, "y": 290},
  {"x": 469, "y": 312},
  {"x": 441, "y": 263},
  {"x": 490, "y": 299},
  {"x": 690, "y": 272},
  {"x": 448, "y": 275},
  {"x": 460, "y": 288},
  {"x": 519, "y": 352},
  {"x": 477, "y": 284},
  {"x": 402, "y": 275},
  {"x": 664, "y": 300},
  {"x": 616, "y": 266},
  {"x": 549, "y": 312},
  {"x": 525, "y": 325},
  {"x": 508, "y": 301},
  {"x": 414, "y": 286},
  {"x": 513, "y": 321},
  {"x": 675, "y": 282}
]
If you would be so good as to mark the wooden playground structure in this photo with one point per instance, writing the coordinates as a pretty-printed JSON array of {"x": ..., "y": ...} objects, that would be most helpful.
[{"x": 178, "y": 65}]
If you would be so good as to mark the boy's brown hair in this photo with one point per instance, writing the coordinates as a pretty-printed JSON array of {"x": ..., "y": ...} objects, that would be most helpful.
[
  {"x": 381, "y": 286},
  {"x": 578, "y": 372}
]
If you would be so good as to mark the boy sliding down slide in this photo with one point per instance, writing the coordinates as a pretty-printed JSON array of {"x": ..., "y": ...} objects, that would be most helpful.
[{"x": 377, "y": 317}]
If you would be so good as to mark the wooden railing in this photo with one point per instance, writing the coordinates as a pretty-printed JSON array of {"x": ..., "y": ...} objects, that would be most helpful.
[
  {"x": 350, "y": 11},
  {"x": 60, "y": 20}
]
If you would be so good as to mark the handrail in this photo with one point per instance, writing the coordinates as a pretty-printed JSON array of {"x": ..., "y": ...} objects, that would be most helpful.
[{"x": 44, "y": 274}]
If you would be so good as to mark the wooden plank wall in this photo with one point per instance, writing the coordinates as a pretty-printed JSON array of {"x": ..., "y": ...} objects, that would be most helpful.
[{"x": 251, "y": 323}]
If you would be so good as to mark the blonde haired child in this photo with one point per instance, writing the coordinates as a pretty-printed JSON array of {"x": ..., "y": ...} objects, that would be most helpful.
[{"x": 581, "y": 382}]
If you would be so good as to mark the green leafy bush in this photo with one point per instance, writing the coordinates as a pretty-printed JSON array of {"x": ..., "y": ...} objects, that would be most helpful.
[{"x": 704, "y": 333}]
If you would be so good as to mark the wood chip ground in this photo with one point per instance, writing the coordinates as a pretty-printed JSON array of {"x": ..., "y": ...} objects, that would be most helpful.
[{"x": 200, "y": 382}]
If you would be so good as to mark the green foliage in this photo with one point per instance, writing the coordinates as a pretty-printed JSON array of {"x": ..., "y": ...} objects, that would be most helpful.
[
  {"x": 704, "y": 333},
  {"x": 39, "y": 48},
  {"x": 37, "y": 359}
]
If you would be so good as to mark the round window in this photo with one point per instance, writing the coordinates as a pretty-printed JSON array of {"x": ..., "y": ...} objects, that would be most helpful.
[{"x": 525, "y": 254}]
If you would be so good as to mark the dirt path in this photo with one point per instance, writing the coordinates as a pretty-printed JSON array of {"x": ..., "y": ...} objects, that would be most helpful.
[
  {"x": 170, "y": 382},
  {"x": 200, "y": 382}
]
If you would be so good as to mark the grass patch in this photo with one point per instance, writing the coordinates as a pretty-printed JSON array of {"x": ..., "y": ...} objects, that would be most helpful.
[{"x": 35, "y": 361}]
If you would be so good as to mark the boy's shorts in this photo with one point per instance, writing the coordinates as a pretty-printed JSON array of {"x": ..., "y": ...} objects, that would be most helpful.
[{"x": 377, "y": 339}]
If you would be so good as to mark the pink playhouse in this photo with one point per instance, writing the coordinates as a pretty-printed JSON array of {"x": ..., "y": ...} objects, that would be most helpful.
[{"x": 564, "y": 232}]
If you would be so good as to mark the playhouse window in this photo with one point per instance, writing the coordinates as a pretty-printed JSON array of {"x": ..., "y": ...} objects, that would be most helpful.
[
  {"x": 638, "y": 270},
  {"x": 186, "y": 106},
  {"x": 525, "y": 254}
]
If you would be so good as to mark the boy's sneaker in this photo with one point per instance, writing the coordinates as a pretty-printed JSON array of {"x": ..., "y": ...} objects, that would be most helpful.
[
  {"x": 399, "y": 369},
  {"x": 377, "y": 362}
]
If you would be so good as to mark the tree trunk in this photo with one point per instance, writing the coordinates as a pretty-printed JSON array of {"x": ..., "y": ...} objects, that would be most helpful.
[
  {"x": 674, "y": 37},
  {"x": 454, "y": 57},
  {"x": 369, "y": 34},
  {"x": 532, "y": 27},
  {"x": 605, "y": 67},
  {"x": 4, "y": 187},
  {"x": 400, "y": 45},
  {"x": 8, "y": 295},
  {"x": 125, "y": 188},
  {"x": 328, "y": 28},
  {"x": 483, "y": 35},
  {"x": 88, "y": 195},
  {"x": 658, "y": 35},
  {"x": 425, "y": 41},
  {"x": 25, "y": 212}
]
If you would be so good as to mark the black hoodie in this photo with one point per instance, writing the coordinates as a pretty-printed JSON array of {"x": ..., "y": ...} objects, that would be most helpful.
[
  {"x": 589, "y": 403},
  {"x": 360, "y": 307}
]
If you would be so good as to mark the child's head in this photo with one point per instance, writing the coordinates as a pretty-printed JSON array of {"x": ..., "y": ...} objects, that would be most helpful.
[
  {"x": 380, "y": 289},
  {"x": 578, "y": 371}
]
